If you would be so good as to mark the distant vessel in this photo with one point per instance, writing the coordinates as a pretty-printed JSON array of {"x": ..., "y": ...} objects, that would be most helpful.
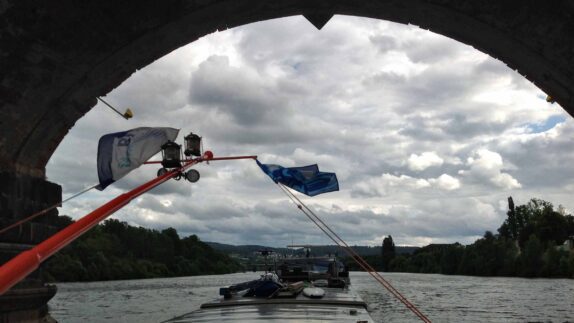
[{"x": 314, "y": 289}]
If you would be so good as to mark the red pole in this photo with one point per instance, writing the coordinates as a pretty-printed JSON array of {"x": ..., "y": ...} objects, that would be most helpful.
[
  {"x": 211, "y": 159},
  {"x": 233, "y": 157},
  {"x": 26, "y": 262}
]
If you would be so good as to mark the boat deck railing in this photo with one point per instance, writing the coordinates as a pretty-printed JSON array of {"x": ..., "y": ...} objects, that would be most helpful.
[{"x": 257, "y": 301}]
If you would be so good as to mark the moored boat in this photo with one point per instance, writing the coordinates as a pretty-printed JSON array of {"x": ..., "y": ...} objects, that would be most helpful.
[{"x": 298, "y": 290}]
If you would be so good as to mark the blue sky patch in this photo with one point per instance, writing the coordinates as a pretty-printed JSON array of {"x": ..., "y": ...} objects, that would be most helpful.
[{"x": 546, "y": 125}]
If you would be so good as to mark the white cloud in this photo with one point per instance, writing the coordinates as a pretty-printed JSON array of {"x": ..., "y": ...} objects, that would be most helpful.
[
  {"x": 424, "y": 161},
  {"x": 487, "y": 160},
  {"x": 487, "y": 165},
  {"x": 387, "y": 184},
  {"x": 505, "y": 181},
  {"x": 445, "y": 182}
]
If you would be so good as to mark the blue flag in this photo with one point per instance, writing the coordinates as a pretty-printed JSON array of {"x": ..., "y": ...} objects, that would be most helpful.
[
  {"x": 307, "y": 179},
  {"x": 121, "y": 152}
]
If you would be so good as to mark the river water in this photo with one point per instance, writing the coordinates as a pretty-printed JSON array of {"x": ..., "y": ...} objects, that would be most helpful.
[{"x": 441, "y": 298}]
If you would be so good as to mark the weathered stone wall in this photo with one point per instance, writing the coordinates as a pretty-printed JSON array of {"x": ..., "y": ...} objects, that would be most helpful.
[
  {"x": 22, "y": 196},
  {"x": 57, "y": 56}
]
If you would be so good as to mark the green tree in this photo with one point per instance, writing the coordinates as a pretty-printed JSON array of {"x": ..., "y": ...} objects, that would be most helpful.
[
  {"x": 551, "y": 259},
  {"x": 530, "y": 260},
  {"x": 116, "y": 250},
  {"x": 400, "y": 264},
  {"x": 510, "y": 228},
  {"x": 450, "y": 259},
  {"x": 387, "y": 252}
]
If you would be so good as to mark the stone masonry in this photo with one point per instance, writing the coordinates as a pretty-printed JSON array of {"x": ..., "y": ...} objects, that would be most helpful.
[{"x": 22, "y": 196}]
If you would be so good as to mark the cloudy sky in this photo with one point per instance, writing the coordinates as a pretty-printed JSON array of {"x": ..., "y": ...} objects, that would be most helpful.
[{"x": 428, "y": 136}]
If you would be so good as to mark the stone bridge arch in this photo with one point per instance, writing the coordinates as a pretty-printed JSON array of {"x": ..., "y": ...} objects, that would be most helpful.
[{"x": 58, "y": 56}]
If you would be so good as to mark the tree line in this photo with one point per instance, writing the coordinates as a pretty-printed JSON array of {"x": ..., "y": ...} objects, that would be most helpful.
[
  {"x": 530, "y": 243},
  {"x": 115, "y": 250}
]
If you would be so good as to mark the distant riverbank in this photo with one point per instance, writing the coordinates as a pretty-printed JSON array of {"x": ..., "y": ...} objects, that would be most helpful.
[{"x": 535, "y": 240}]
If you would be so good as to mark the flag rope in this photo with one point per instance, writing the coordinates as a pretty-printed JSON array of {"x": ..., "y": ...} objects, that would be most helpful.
[
  {"x": 46, "y": 210},
  {"x": 345, "y": 247}
]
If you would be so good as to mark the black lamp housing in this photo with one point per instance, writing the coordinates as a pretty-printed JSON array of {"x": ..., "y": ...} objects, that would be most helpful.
[
  {"x": 171, "y": 153},
  {"x": 192, "y": 145}
]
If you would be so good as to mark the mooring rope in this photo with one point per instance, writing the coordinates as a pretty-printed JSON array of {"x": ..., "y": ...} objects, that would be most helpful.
[
  {"x": 46, "y": 210},
  {"x": 345, "y": 247}
]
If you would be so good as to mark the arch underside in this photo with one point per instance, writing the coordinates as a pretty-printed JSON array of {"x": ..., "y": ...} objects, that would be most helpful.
[{"x": 57, "y": 57}]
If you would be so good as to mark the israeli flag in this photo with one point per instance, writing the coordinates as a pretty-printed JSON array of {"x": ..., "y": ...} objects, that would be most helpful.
[
  {"x": 121, "y": 152},
  {"x": 307, "y": 179}
]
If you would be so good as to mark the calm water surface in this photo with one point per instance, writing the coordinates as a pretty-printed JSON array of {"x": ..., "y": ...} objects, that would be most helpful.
[{"x": 441, "y": 298}]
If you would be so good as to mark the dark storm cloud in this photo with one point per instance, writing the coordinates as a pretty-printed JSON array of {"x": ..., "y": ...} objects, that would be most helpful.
[
  {"x": 459, "y": 126},
  {"x": 434, "y": 50},
  {"x": 434, "y": 87},
  {"x": 452, "y": 124},
  {"x": 384, "y": 43},
  {"x": 383, "y": 78},
  {"x": 423, "y": 128},
  {"x": 237, "y": 93}
]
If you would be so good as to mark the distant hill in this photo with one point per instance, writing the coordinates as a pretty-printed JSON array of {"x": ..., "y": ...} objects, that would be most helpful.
[
  {"x": 244, "y": 250},
  {"x": 249, "y": 250}
]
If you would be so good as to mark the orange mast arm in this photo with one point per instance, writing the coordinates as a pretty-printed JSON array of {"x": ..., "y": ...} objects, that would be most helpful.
[
  {"x": 210, "y": 159},
  {"x": 26, "y": 262}
]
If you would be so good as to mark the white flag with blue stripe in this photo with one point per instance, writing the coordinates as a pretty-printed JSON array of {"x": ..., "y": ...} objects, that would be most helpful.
[{"x": 121, "y": 152}]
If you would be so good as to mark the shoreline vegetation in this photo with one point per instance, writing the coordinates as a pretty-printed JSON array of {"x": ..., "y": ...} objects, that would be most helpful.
[
  {"x": 530, "y": 243},
  {"x": 534, "y": 241},
  {"x": 114, "y": 250}
]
